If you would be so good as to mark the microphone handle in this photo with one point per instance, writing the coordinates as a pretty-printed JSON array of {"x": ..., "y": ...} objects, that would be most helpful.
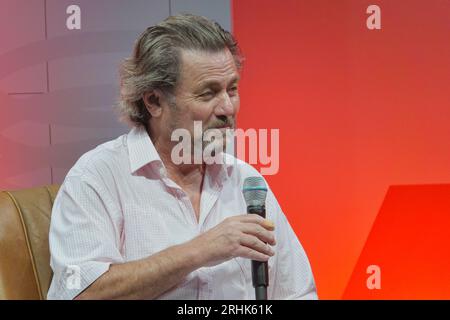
[
  {"x": 260, "y": 270},
  {"x": 260, "y": 279}
]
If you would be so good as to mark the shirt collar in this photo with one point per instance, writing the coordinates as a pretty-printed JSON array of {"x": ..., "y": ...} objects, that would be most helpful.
[{"x": 141, "y": 149}]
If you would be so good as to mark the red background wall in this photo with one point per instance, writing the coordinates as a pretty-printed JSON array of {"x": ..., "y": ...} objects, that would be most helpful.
[{"x": 358, "y": 110}]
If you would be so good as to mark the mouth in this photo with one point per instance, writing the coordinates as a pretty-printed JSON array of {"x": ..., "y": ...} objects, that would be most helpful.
[
  {"x": 227, "y": 126},
  {"x": 224, "y": 126}
]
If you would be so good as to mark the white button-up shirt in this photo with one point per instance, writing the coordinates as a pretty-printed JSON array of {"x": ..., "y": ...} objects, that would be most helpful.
[{"x": 117, "y": 205}]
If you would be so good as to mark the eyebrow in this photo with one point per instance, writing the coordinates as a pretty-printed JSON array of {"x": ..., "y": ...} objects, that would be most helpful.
[{"x": 211, "y": 83}]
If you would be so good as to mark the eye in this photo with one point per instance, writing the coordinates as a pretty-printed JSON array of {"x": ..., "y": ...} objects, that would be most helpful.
[
  {"x": 207, "y": 94},
  {"x": 233, "y": 89}
]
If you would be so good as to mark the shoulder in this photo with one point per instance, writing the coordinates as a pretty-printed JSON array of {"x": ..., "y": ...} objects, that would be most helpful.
[
  {"x": 240, "y": 168},
  {"x": 103, "y": 160}
]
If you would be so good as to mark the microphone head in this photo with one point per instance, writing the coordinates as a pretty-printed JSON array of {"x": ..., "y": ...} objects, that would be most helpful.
[{"x": 255, "y": 191}]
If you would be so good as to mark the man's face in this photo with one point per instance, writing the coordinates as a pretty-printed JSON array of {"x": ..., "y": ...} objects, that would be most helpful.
[{"x": 206, "y": 92}]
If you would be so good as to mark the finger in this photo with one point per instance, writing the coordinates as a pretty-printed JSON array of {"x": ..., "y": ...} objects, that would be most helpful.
[
  {"x": 254, "y": 218},
  {"x": 254, "y": 243},
  {"x": 248, "y": 253},
  {"x": 258, "y": 231},
  {"x": 250, "y": 217},
  {"x": 268, "y": 224}
]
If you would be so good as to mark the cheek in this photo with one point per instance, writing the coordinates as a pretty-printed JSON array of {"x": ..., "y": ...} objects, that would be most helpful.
[
  {"x": 236, "y": 103},
  {"x": 203, "y": 111}
]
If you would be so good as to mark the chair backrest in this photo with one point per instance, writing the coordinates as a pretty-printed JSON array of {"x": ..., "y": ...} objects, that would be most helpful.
[{"x": 25, "y": 271}]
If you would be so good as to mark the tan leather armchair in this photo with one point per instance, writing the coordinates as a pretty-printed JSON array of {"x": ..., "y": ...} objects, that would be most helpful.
[{"x": 25, "y": 271}]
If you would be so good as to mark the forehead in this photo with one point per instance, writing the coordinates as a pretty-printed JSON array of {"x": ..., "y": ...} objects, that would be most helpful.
[{"x": 200, "y": 67}]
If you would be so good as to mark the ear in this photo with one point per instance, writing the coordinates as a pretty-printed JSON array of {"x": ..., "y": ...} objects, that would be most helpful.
[{"x": 152, "y": 103}]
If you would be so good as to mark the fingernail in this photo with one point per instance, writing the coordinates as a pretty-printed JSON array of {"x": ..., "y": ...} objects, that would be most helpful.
[{"x": 269, "y": 224}]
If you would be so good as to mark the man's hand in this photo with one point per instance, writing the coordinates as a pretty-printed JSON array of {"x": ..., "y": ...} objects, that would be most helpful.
[
  {"x": 247, "y": 236},
  {"x": 240, "y": 236}
]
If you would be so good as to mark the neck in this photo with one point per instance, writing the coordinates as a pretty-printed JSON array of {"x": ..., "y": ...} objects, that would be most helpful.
[{"x": 181, "y": 173}]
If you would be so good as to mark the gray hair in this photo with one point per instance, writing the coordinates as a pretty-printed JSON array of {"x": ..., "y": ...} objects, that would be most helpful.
[{"x": 155, "y": 62}]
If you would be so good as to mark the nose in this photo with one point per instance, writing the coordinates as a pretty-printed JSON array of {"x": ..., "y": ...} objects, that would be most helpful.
[{"x": 227, "y": 105}]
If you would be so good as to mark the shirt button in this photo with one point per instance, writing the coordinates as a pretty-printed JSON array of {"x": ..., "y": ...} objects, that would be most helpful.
[
  {"x": 162, "y": 172},
  {"x": 179, "y": 193}
]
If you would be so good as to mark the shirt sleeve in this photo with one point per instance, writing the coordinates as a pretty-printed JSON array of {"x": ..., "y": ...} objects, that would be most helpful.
[
  {"x": 290, "y": 274},
  {"x": 84, "y": 238}
]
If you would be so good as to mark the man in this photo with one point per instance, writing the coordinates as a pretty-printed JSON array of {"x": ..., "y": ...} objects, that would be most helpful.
[{"x": 129, "y": 223}]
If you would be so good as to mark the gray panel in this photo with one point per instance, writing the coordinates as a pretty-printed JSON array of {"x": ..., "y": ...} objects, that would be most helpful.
[
  {"x": 24, "y": 142},
  {"x": 32, "y": 79},
  {"x": 22, "y": 22},
  {"x": 27, "y": 134},
  {"x": 85, "y": 70},
  {"x": 27, "y": 178},
  {"x": 218, "y": 10},
  {"x": 22, "y": 157},
  {"x": 88, "y": 72},
  {"x": 106, "y": 15}
]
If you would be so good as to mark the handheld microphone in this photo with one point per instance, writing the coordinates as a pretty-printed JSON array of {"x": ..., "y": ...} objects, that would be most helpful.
[{"x": 255, "y": 191}]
